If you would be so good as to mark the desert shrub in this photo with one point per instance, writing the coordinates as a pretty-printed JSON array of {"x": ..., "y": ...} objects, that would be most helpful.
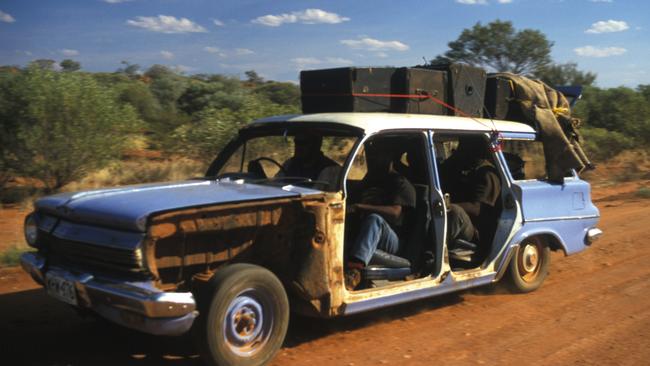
[
  {"x": 601, "y": 144},
  {"x": 11, "y": 256},
  {"x": 213, "y": 128},
  {"x": 643, "y": 192},
  {"x": 68, "y": 125}
]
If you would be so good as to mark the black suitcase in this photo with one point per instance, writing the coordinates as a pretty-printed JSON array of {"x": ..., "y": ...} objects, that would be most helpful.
[
  {"x": 466, "y": 88},
  {"x": 498, "y": 97},
  {"x": 341, "y": 89},
  {"x": 422, "y": 82}
]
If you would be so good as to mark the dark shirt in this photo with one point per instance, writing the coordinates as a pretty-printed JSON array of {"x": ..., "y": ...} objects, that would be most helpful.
[
  {"x": 388, "y": 190},
  {"x": 475, "y": 182},
  {"x": 296, "y": 168}
]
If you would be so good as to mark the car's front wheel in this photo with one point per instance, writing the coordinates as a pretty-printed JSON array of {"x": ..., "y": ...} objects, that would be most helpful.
[
  {"x": 247, "y": 318},
  {"x": 529, "y": 266}
]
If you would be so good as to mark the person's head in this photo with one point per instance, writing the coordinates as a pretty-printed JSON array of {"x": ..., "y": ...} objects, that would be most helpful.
[
  {"x": 307, "y": 146},
  {"x": 472, "y": 147},
  {"x": 379, "y": 155}
]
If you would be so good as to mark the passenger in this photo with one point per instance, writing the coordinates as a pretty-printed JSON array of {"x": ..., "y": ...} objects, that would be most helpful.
[
  {"x": 474, "y": 186},
  {"x": 385, "y": 195},
  {"x": 308, "y": 160}
]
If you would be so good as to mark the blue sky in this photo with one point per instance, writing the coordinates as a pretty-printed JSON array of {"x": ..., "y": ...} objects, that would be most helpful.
[{"x": 278, "y": 38}]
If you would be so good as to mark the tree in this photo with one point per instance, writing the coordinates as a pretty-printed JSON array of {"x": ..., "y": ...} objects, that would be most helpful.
[
  {"x": 565, "y": 74},
  {"x": 253, "y": 78},
  {"x": 498, "y": 47},
  {"x": 68, "y": 65},
  {"x": 43, "y": 64},
  {"x": 619, "y": 109},
  {"x": 280, "y": 93},
  {"x": 129, "y": 69},
  {"x": 68, "y": 125}
]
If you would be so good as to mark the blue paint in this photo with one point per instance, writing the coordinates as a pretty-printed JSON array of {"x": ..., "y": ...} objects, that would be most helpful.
[{"x": 128, "y": 208}]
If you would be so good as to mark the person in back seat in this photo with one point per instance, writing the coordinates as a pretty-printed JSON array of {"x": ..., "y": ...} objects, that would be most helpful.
[
  {"x": 308, "y": 160},
  {"x": 384, "y": 197},
  {"x": 474, "y": 186}
]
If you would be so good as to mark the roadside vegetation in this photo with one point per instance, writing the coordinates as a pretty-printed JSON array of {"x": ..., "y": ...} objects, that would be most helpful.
[{"x": 62, "y": 128}]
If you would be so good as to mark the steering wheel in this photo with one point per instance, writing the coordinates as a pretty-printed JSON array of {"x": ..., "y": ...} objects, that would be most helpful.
[{"x": 254, "y": 166}]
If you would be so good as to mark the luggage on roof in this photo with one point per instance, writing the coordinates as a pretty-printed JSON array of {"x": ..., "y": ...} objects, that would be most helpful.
[
  {"x": 518, "y": 98},
  {"x": 397, "y": 90}
]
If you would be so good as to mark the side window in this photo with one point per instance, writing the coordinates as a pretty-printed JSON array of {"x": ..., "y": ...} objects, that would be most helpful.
[
  {"x": 410, "y": 158},
  {"x": 525, "y": 159},
  {"x": 358, "y": 169}
]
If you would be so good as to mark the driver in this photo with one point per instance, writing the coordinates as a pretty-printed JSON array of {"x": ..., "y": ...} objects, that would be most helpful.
[{"x": 308, "y": 160}]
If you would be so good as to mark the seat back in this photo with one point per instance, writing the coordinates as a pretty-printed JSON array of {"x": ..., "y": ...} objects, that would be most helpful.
[{"x": 416, "y": 235}]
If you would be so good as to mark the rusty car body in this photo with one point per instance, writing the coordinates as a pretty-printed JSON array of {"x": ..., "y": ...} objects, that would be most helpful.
[{"x": 156, "y": 257}]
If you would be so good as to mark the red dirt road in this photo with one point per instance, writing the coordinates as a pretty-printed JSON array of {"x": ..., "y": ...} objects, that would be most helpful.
[{"x": 593, "y": 309}]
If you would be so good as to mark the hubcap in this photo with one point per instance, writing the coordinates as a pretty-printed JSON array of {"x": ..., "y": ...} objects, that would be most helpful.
[
  {"x": 530, "y": 258},
  {"x": 529, "y": 261},
  {"x": 247, "y": 326}
]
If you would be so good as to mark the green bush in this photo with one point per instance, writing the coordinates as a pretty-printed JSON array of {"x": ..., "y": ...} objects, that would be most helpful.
[
  {"x": 11, "y": 256},
  {"x": 643, "y": 192},
  {"x": 67, "y": 125},
  {"x": 601, "y": 144}
]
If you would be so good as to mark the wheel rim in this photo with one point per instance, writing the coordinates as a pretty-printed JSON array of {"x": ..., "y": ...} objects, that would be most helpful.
[
  {"x": 529, "y": 261},
  {"x": 248, "y": 323}
]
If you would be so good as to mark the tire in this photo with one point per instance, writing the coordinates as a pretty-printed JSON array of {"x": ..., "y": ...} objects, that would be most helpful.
[
  {"x": 245, "y": 320},
  {"x": 529, "y": 265}
]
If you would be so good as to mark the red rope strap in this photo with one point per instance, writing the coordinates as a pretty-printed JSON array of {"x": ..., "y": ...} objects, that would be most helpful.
[{"x": 495, "y": 138}]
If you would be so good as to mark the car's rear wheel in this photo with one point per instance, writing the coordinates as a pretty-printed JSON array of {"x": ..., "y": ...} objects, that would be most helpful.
[
  {"x": 247, "y": 318},
  {"x": 529, "y": 266}
]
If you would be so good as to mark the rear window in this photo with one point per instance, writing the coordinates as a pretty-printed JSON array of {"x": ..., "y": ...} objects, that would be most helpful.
[{"x": 525, "y": 159}]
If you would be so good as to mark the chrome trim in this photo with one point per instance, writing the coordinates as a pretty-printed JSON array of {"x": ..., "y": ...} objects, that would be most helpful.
[
  {"x": 563, "y": 218},
  {"x": 33, "y": 264},
  {"x": 447, "y": 286},
  {"x": 156, "y": 310},
  {"x": 593, "y": 234}
]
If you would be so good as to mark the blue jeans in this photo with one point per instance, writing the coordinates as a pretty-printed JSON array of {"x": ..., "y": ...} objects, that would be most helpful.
[{"x": 374, "y": 233}]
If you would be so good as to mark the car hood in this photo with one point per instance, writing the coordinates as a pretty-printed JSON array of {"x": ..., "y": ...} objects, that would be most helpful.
[{"x": 128, "y": 208}]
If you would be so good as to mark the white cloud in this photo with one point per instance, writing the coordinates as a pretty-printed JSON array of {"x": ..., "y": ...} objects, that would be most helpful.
[
  {"x": 472, "y": 2},
  {"x": 116, "y": 1},
  {"x": 243, "y": 52},
  {"x": 601, "y": 1},
  {"x": 166, "y": 24},
  {"x": 309, "y": 16},
  {"x": 591, "y": 51},
  {"x": 68, "y": 52},
  {"x": 218, "y": 22},
  {"x": 182, "y": 68},
  {"x": 167, "y": 55},
  {"x": 210, "y": 49},
  {"x": 372, "y": 44},
  {"x": 608, "y": 26},
  {"x": 7, "y": 18},
  {"x": 505, "y": 1}
]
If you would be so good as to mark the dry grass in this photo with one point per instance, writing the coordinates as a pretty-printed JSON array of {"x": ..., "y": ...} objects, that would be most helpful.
[
  {"x": 139, "y": 171},
  {"x": 627, "y": 166}
]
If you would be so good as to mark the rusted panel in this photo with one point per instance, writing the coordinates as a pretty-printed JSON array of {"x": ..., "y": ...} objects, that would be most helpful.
[{"x": 299, "y": 239}]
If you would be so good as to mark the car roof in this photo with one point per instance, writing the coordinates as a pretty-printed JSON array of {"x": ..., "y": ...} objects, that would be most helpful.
[{"x": 374, "y": 122}]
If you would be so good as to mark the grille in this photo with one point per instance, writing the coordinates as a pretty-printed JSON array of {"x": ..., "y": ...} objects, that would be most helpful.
[{"x": 93, "y": 257}]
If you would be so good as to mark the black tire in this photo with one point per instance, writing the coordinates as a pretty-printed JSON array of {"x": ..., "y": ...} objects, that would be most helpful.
[
  {"x": 245, "y": 320},
  {"x": 529, "y": 265}
]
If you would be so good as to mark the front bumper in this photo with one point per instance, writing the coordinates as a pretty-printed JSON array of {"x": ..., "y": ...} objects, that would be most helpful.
[{"x": 136, "y": 305}]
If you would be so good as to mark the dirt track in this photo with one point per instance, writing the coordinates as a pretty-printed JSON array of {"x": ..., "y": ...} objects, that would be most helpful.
[{"x": 593, "y": 309}]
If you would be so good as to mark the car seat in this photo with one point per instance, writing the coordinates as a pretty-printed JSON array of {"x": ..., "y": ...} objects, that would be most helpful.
[{"x": 385, "y": 266}]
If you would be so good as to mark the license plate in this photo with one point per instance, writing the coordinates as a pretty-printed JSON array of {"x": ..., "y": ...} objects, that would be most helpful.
[{"x": 61, "y": 288}]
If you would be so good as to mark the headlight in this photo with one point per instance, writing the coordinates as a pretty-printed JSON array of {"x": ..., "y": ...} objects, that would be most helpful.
[{"x": 31, "y": 230}]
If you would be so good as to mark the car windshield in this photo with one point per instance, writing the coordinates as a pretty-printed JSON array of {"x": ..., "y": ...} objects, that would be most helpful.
[{"x": 308, "y": 157}]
